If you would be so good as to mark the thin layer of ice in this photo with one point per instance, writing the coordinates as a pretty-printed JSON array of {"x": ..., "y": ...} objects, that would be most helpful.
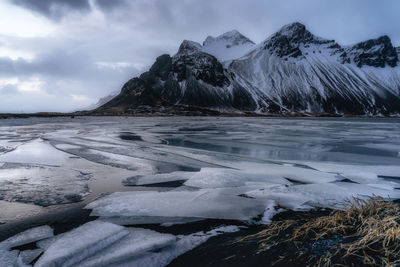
[
  {"x": 42, "y": 185},
  {"x": 28, "y": 236},
  {"x": 202, "y": 204},
  {"x": 157, "y": 178},
  {"x": 81, "y": 243},
  {"x": 11, "y": 211},
  {"x": 222, "y": 177},
  {"x": 35, "y": 152},
  {"x": 67, "y": 146}
]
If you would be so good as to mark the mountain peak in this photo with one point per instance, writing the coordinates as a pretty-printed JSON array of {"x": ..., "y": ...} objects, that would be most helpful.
[
  {"x": 232, "y": 38},
  {"x": 228, "y": 46},
  {"x": 295, "y": 32},
  {"x": 189, "y": 47},
  {"x": 288, "y": 40},
  {"x": 374, "y": 52}
]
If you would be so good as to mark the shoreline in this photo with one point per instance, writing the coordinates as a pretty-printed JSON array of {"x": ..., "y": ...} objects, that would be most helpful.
[{"x": 4, "y": 116}]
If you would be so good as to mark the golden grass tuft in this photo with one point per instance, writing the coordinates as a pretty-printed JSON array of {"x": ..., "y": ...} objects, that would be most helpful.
[{"x": 368, "y": 232}]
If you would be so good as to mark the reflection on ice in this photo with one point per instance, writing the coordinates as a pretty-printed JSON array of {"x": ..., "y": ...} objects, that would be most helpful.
[
  {"x": 35, "y": 152},
  {"x": 41, "y": 185}
]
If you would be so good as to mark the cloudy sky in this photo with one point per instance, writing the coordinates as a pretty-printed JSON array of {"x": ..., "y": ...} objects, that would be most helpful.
[{"x": 63, "y": 55}]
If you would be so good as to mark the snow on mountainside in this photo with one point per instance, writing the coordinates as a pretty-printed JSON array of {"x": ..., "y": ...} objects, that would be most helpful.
[
  {"x": 291, "y": 71},
  {"x": 103, "y": 100},
  {"x": 228, "y": 46}
]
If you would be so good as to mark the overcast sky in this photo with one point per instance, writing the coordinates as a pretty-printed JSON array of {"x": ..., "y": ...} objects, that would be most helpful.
[{"x": 63, "y": 55}]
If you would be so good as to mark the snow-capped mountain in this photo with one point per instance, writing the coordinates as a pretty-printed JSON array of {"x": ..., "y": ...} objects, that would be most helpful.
[
  {"x": 291, "y": 71},
  {"x": 228, "y": 46}
]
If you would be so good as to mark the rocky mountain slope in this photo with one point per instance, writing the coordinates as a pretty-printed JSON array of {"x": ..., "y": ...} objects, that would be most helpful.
[{"x": 292, "y": 71}]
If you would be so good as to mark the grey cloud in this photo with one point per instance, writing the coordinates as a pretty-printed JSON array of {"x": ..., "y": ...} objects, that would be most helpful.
[
  {"x": 57, "y": 9},
  {"x": 54, "y": 9},
  {"x": 111, "y": 4}
]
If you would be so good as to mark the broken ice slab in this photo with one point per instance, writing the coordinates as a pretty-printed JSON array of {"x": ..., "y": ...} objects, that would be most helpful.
[
  {"x": 207, "y": 178},
  {"x": 81, "y": 243},
  {"x": 329, "y": 195},
  {"x": 90, "y": 245},
  {"x": 183, "y": 244},
  {"x": 223, "y": 177},
  {"x": 135, "y": 243},
  {"x": 27, "y": 256},
  {"x": 8, "y": 258},
  {"x": 27, "y": 237},
  {"x": 203, "y": 203}
]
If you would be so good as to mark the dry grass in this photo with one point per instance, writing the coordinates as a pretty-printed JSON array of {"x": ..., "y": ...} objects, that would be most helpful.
[{"x": 367, "y": 233}]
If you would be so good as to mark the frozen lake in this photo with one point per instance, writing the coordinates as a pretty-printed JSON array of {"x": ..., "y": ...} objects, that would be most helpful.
[{"x": 167, "y": 170}]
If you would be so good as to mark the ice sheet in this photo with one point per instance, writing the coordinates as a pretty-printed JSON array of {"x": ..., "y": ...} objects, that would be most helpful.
[
  {"x": 27, "y": 256},
  {"x": 81, "y": 243},
  {"x": 201, "y": 204},
  {"x": 137, "y": 242},
  {"x": 292, "y": 162},
  {"x": 26, "y": 237},
  {"x": 8, "y": 258},
  {"x": 223, "y": 177},
  {"x": 35, "y": 152},
  {"x": 184, "y": 244},
  {"x": 139, "y": 247},
  {"x": 12, "y": 211},
  {"x": 330, "y": 195}
]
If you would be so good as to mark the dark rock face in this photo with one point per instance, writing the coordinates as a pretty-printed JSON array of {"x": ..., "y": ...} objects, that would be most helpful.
[
  {"x": 375, "y": 52},
  {"x": 202, "y": 66},
  {"x": 190, "y": 78},
  {"x": 287, "y": 41}
]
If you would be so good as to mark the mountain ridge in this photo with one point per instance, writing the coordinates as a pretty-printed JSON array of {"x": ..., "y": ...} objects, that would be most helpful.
[{"x": 290, "y": 71}]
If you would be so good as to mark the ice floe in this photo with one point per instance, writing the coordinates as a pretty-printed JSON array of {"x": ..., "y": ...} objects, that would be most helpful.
[
  {"x": 183, "y": 244},
  {"x": 26, "y": 257},
  {"x": 99, "y": 243},
  {"x": 191, "y": 204},
  {"x": 81, "y": 243},
  {"x": 255, "y": 190},
  {"x": 8, "y": 258},
  {"x": 137, "y": 242},
  {"x": 26, "y": 237}
]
